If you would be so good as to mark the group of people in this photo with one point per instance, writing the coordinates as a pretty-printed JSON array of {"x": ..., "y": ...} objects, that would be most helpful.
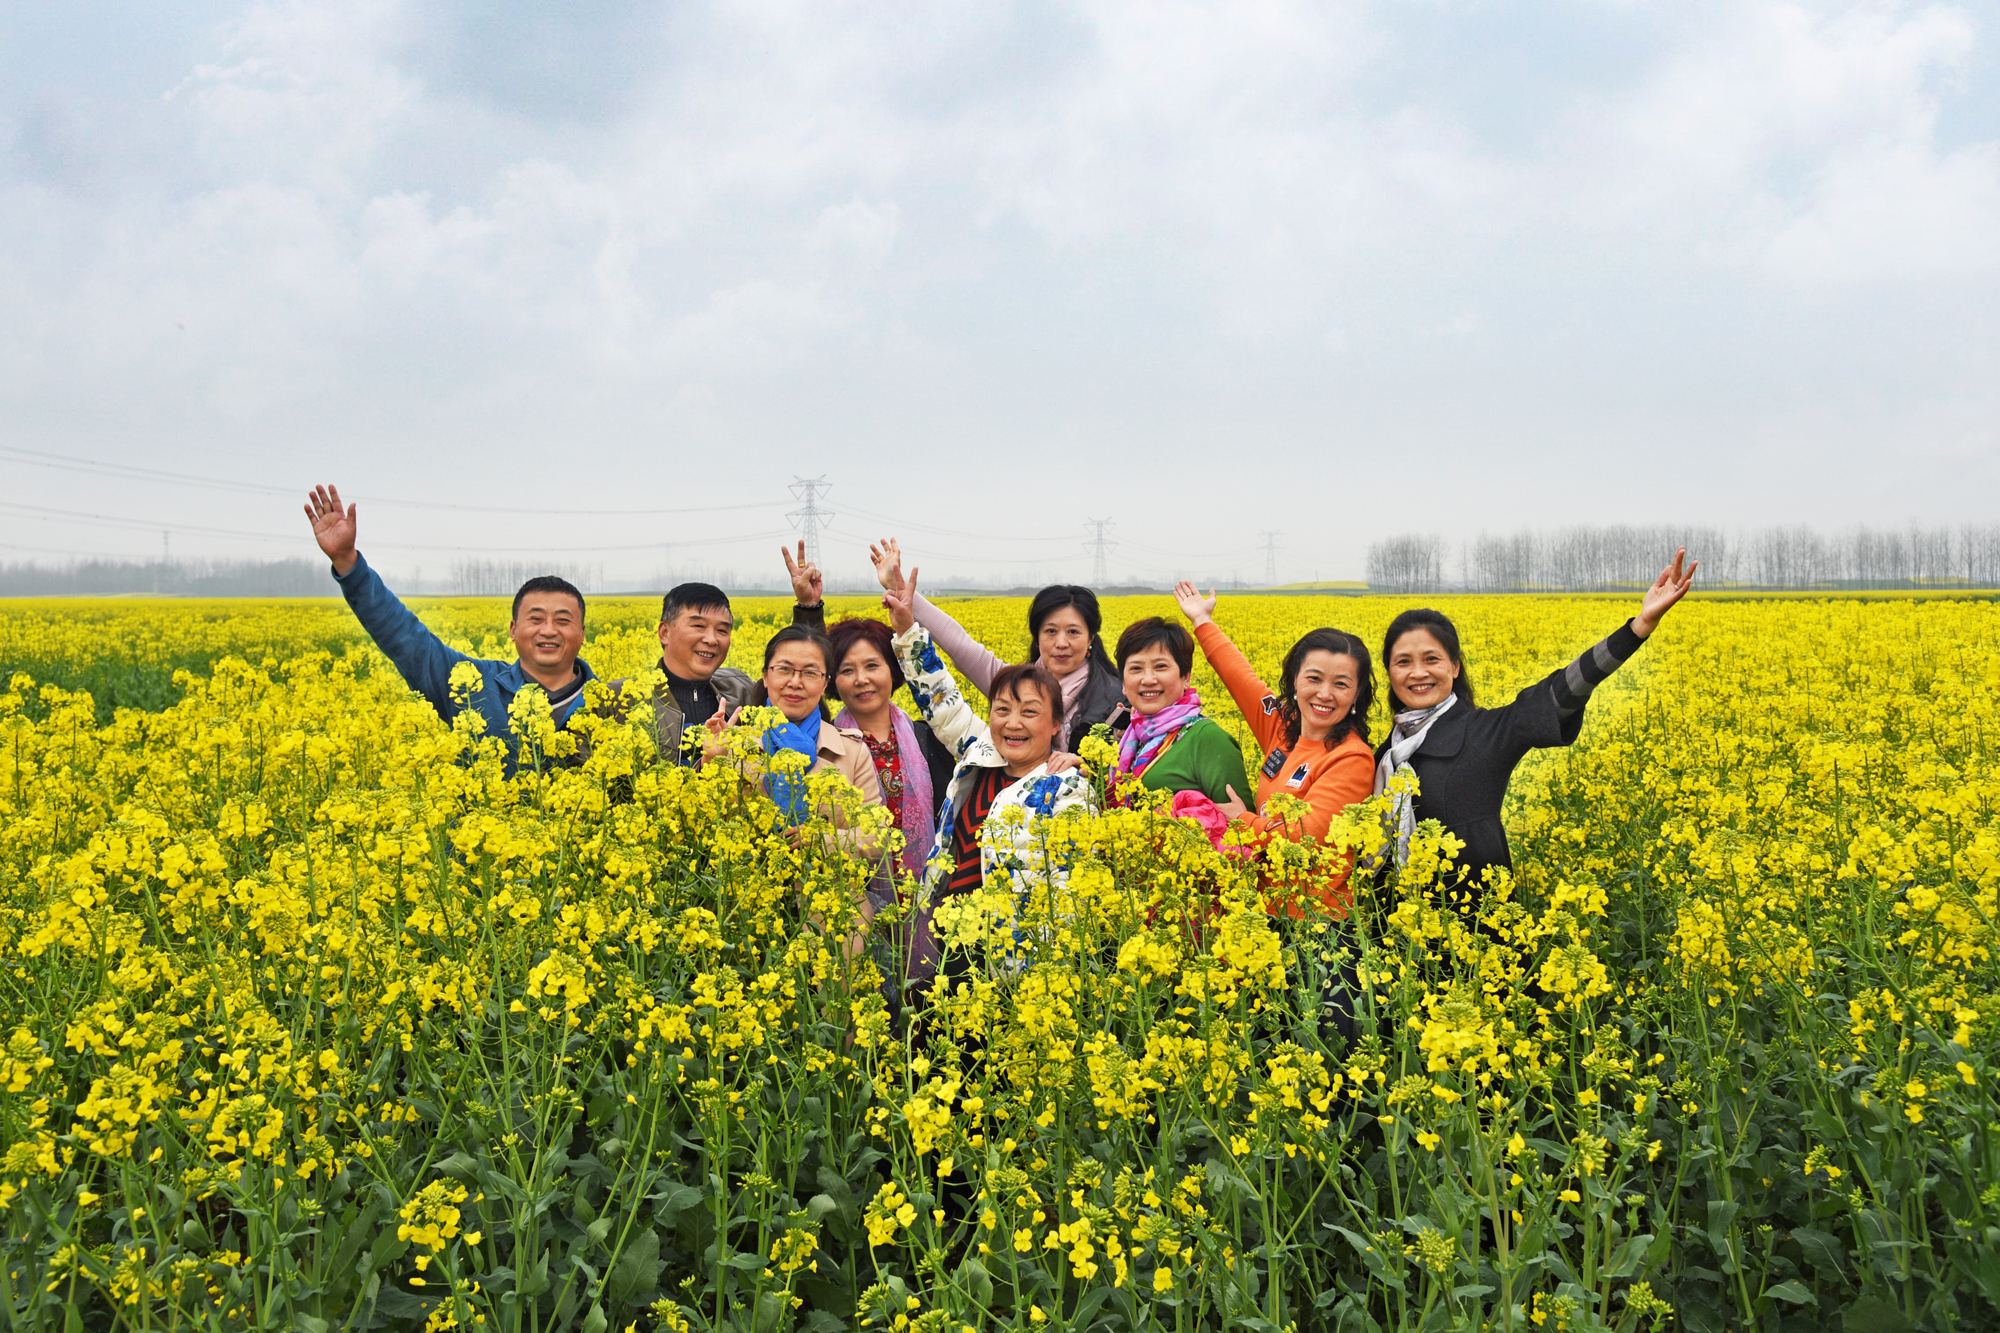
[{"x": 943, "y": 775}]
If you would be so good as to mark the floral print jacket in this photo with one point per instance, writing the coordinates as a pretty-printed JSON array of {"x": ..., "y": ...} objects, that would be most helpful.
[{"x": 1005, "y": 843}]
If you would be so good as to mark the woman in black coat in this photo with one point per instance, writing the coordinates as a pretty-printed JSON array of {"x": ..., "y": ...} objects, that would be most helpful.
[{"x": 1464, "y": 755}]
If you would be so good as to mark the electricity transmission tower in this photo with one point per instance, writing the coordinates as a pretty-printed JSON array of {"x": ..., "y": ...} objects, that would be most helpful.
[
  {"x": 1101, "y": 546},
  {"x": 808, "y": 518},
  {"x": 1270, "y": 558}
]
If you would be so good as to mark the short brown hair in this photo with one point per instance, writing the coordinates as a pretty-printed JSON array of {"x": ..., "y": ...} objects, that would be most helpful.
[
  {"x": 847, "y": 634},
  {"x": 1154, "y": 632},
  {"x": 1009, "y": 680}
]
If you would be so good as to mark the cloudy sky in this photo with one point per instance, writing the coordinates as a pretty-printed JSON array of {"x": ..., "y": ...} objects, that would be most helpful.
[{"x": 1337, "y": 270}]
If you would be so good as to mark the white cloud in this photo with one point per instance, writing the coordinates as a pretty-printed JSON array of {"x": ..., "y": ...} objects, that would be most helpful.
[{"x": 1071, "y": 231}]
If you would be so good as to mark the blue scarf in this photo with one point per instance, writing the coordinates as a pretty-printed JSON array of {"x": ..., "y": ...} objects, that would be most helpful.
[{"x": 789, "y": 789}]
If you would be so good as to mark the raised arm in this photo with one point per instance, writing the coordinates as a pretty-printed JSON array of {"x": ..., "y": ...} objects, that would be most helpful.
[
  {"x": 1550, "y": 712},
  {"x": 420, "y": 657},
  {"x": 978, "y": 663},
  {"x": 952, "y": 720},
  {"x": 1254, "y": 699}
]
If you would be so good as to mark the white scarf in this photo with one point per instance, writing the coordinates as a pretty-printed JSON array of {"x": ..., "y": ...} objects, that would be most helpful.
[{"x": 1407, "y": 738}]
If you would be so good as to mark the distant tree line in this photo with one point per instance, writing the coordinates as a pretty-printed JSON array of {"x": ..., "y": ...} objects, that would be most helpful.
[
  {"x": 1581, "y": 559},
  {"x": 295, "y": 577},
  {"x": 169, "y": 578},
  {"x": 500, "y": 578}
]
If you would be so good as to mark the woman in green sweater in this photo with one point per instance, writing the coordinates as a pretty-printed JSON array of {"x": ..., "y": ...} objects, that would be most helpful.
[{"x": 1167, "y": 743}]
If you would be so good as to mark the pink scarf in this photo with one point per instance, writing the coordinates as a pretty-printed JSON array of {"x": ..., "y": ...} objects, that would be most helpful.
[
  {"x": 918, "y": 830},
  {"x": 1145, "y": 737}
]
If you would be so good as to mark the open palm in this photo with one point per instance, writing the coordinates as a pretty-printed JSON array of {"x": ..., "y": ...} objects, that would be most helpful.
[
  {"x": 333, "y": 526},
  {"x": 1670, "y": 587}
]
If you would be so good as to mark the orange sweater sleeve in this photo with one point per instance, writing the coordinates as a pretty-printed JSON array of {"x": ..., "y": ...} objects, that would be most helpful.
[
  {"x": 1241, "y": 680},
  {"x": 1348, "y": 777}
]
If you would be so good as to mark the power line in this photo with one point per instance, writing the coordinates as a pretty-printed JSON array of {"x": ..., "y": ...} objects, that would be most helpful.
[
  {"x": 1100, "y": 546},
  {"x": 134, "y": 472},
  {"x": 810, "y": 516},
  {"x": 1270, "y": 558},
  {"x": 44, "y": 511}
]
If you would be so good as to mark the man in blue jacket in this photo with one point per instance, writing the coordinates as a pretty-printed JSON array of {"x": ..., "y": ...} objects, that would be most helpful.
[{"x": 547, "y": 630}]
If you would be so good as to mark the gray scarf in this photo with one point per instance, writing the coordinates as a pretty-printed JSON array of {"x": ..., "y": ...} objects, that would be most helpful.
[{"x": 1407, "y": 738}]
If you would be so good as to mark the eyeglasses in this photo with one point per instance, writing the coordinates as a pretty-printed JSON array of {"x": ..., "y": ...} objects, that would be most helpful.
[{"x": 804, "y": 675}]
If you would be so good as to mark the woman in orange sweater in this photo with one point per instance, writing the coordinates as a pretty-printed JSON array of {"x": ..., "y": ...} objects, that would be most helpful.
[{"x": 1313, "y": 731}]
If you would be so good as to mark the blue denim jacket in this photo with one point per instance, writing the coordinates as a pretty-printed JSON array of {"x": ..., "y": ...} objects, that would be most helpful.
[{"x": 425, "y": 662}]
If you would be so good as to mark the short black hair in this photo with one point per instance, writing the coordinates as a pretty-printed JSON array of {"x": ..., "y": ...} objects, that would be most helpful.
[
  {"x": 547, "y": 583},
  {"x": 692, "y": 597},
  {"x": 1155, "y": 632}
]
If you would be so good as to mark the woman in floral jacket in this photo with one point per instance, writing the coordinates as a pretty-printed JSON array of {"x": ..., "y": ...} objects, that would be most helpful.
[{"x": 1002, "y": 764}]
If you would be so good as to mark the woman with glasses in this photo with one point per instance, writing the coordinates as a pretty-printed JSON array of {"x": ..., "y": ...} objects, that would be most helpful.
[{"x": 798, "y": 664}]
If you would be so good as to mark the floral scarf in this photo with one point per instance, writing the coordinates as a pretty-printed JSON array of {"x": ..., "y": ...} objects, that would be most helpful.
[
  {"x": 789, "y": 789},
  {"x": 918, "y": 828},
  {"x": 1147, "y": 736}
]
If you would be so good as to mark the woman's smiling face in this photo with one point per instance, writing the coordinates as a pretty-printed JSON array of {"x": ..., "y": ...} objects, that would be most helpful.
[
  {"x": 1324, "y": 689},
  {"x": 864, "y": 682},
  {"x": 1023, "y": 727},
  {"x": 795, "y": 680},
  {"x": 1421, "y": 672},
  {"x": 1152, "y": 680}
]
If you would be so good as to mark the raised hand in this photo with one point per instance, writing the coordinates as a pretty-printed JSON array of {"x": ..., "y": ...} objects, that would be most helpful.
[
  {"x": 721, "y": 720},
  {"x": 1194, "y": 606},
  {"x": 888, "y": 558},
  {"x": 333, "y": 527},
  {"x": 902, "y": 602},
  {"x": 1670, "y": 587},
  {"x": 808, "y": 586}
]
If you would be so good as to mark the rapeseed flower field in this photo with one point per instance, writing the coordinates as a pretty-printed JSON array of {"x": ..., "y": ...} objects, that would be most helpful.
[{"x": 314, "y": 1018}]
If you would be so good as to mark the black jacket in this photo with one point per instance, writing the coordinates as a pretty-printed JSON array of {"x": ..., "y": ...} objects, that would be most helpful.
[
  {"x": 1102, "y": 695},
  {"x": 938, "y": 760},
  {"x": 1469, "y": 754}
]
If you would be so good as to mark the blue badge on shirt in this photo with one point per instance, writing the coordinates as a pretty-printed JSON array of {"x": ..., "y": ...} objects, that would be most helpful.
[{"x": 1298, "y": 777}]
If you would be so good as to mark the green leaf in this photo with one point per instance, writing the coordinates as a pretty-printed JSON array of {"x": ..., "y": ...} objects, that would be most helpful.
[
  {"x": 1872, "y": 1314},
  {"x": 975, "y": 1281},
  {"x": 459, "y": 1167},
  {"x": 637, "y": 1273},
  {"x": 1793, "y": 1292},
  {"x": 677, "y": 1199},
  {"x": 749, "y": 1261},
  {"x": 595, "y": 1322},
  {"x": 1630, "y": 1258},
  {"x": 1720, "y": 1214},
  {"x": 1823, "y": 1250},
  {"x": 1370, "y": 1254}
]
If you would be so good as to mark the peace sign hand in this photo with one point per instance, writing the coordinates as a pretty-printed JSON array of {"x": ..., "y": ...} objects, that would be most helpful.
[
  {"x": 333, "y": 527},
  {"x": 902, "y": 603},
  {"x": 808, "y": 585},
  {"x": 1670, "y": 587}
]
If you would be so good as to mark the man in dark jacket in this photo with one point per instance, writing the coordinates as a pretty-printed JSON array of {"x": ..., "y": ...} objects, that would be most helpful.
[
  {"x": 547, "y": 630},
  {"x": 695, "y": 628}
]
